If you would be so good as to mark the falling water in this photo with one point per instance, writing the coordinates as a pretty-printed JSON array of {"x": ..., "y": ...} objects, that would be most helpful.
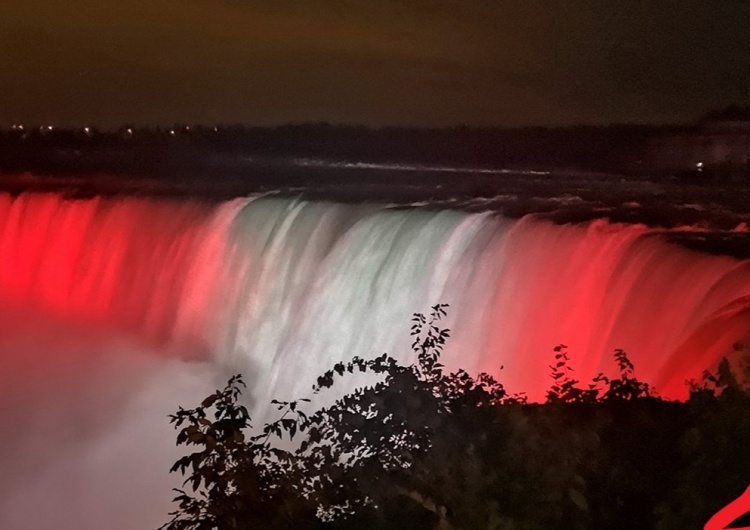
[{"x": 117, "y": 310}]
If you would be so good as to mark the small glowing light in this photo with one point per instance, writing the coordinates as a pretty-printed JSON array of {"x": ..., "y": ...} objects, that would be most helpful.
[
  {"x": 699, "y": 165},
  {"x": 129, "y": 130},
  {"x": 49, "y": 127},
  {"x": 216, "y": 129},
  {"x": 87, "y": 130},
  {"x": 171, "y": 132}
]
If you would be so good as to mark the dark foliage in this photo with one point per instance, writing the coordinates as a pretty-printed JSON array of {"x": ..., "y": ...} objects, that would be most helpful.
[
  {"x": 426, "y": 448},
  {"x": 235, "y": 481}
]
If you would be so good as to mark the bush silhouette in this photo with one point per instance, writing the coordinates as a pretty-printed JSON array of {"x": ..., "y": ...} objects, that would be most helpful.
[{"x": 427, "y": 448}]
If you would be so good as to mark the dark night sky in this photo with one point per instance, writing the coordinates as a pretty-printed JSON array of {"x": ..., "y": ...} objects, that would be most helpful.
[{"x": 376, "y": 62}]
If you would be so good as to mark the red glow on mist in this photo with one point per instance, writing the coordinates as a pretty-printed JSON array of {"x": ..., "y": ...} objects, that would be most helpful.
[{"x": 107, "y": 262}]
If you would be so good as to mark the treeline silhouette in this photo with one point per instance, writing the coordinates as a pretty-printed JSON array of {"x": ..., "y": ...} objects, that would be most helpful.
[{"x": 138, "y": 151}]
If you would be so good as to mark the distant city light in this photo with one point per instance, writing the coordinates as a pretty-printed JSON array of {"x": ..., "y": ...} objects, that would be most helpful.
[{"x": 699, "y": 166}]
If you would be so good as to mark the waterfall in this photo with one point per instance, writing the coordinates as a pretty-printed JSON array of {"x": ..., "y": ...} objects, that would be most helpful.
[
  {"x": 291, "y": 286},
  {"x": 119, "y": 309}
]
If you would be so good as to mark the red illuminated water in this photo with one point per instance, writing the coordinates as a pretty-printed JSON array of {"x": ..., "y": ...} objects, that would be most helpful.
[
  {"x": 116, "y": 310},
  {"x": 282, "y": 281}
]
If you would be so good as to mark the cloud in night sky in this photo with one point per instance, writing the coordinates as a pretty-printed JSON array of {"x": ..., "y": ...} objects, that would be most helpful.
[{"x": 481, "y": 62}]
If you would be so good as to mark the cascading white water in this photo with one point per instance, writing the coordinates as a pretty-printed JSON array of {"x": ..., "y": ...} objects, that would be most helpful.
[
  {"x": 311, "y": 284},
  {"x": 117, "y": 310}
]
